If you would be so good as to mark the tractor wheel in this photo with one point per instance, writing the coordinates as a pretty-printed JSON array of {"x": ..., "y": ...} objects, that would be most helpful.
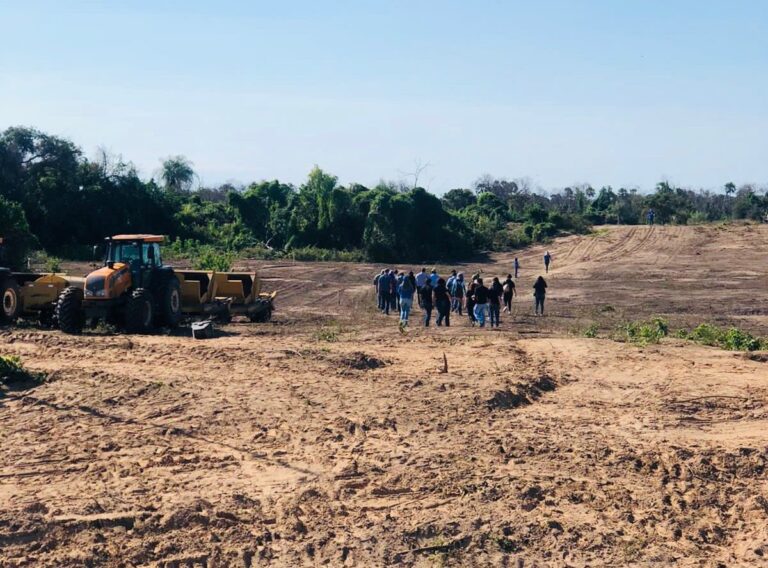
[
  {"x": 262, "y": 316},
  {"x": 170, "y": 303},
  {"x": 69, "y": 311},
  {"x": 47, "y": 317},
  {"x": 139, "y": 312},
  {"x": 224, "y": 315},
  {"x": 11, "y": 301}
]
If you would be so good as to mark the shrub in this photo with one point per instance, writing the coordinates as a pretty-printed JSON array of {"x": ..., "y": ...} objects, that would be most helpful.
[
  {"x": 706, "y": 334},
  {"x": 645, "y": 332},
  {"x": 732, "y": 339},
  {"x": 320, "y": 254},
  {"x": 209, "y": 258},
  {"x": 591, "y": 331},
  {"x": 11, "y": 370},
  {"x": 329, "y": 333},
  {"x": 697, "y": 218},
  {"x": 738, "y": 340},
  {"x": 53, "y": 264}
]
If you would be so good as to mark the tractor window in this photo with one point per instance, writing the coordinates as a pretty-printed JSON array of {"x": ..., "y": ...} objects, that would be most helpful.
[
  {"x": 124, "y": 252},
  {"x": 151, "y": 254}
]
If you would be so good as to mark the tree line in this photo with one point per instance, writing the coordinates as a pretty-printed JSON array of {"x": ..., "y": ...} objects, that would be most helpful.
[{"x": 54, "y": 198}]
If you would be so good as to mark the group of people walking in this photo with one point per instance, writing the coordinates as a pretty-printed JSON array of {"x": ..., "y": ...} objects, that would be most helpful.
[{"x": 482, "y": 302}]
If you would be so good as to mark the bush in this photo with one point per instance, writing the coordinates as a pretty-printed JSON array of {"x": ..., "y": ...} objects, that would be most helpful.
[
  {"x": 697, "y": 218},
  {"x": 209, "y": 258},
  {"x": 645, "y": 332},
  {"x": 53, "y": 264},
  {"x": 732, "y": 339},
  {"x": 591, "y": 331},
  {"x": 706, "y": 334},
  {"x": 319, "y": 254},
  {"x": 328, "y": 333},
  {"x": 11, "y": 370}
]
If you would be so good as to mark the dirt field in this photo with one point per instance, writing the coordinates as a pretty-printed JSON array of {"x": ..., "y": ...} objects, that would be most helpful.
[{"x": 328, "y": 438}]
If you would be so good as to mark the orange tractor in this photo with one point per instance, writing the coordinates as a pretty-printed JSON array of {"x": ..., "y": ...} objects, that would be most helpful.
[{"x": 136, "y": 291}]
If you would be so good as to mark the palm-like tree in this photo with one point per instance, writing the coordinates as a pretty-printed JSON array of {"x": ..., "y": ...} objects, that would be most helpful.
[{"x": 177, "y": 174}]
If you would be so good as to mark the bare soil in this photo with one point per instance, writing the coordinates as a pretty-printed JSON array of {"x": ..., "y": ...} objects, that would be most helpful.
[{"x": 327, "y": 437}]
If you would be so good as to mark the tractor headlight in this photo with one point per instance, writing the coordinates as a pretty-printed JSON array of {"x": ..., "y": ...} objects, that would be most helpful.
[{"x": 94, "y": 287}]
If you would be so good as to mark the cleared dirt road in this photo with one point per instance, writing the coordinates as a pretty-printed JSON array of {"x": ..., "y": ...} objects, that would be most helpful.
[{"x": 327, "y": 437}]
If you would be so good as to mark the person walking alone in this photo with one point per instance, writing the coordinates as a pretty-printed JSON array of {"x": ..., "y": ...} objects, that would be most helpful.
[
  {"x": 481, "y": 302},
  {"x": 494, "y": 301},
  {"x": 539, "y": 293},
  {"x": 442, "y": 303},
  {"x": 517, "y": 266},
  {"x": 547, "y": 261},
  {"x": 509, "y": 292},
  {"x": 425, "y": 293}
]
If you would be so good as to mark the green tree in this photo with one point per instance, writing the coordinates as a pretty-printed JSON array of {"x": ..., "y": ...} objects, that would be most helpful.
[
  {"x": 177, "y": 174},
  {"x": 15, "y": 234}
]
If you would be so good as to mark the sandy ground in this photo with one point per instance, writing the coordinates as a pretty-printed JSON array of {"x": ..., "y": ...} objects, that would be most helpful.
[{"x": 328, "y": 438}]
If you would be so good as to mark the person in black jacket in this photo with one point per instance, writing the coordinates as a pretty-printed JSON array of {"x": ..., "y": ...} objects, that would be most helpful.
[
  {"x": 539, "y": 293},
  {"x": 509, "y": 292},
  {"x": 425, "y": 294},
  {"x": 494, "y": 302},
  {"x": 442, "y": 303},
  {"x": 481, "y": 302}
]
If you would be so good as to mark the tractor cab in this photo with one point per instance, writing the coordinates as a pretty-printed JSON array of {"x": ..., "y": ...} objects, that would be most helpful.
[{"x": 140, "y": 253}]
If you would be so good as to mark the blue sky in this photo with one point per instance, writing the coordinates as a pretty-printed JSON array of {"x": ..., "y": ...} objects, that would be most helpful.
[{"x": 623, "y": 92}]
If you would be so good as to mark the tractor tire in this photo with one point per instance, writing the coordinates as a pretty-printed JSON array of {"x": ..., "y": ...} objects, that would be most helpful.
[
  {"x": 262, "y": 316},
  {"x": 10, "y": 301},
  {"x": 69, "y": 311},
  {"x": 170, "y": 304},
  {"x": 224, "y": 316},
  {"x": 139, "y": 312}
]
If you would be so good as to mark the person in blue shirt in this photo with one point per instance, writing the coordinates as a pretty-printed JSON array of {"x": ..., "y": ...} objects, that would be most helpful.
[
  {"x": 547, "y": 260},
  {"x": 379, "y": 298},
  {"x": 400, "y": 276},
  {"x": 517, "y": 266},
  {"x": 405, "y": 292},
  {"x": 458, "y": 290},
  {"x": 434, "y": 278},
  {"x": 384, "y": 286},
  {"x": 651, "y": 216},
  {"x": 451, "y": 280}
]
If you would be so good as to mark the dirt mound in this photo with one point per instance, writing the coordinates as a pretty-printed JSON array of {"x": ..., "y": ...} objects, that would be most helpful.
[
  {"x": 522, "y": 394},
  {"x": 360, "y": 361}
]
